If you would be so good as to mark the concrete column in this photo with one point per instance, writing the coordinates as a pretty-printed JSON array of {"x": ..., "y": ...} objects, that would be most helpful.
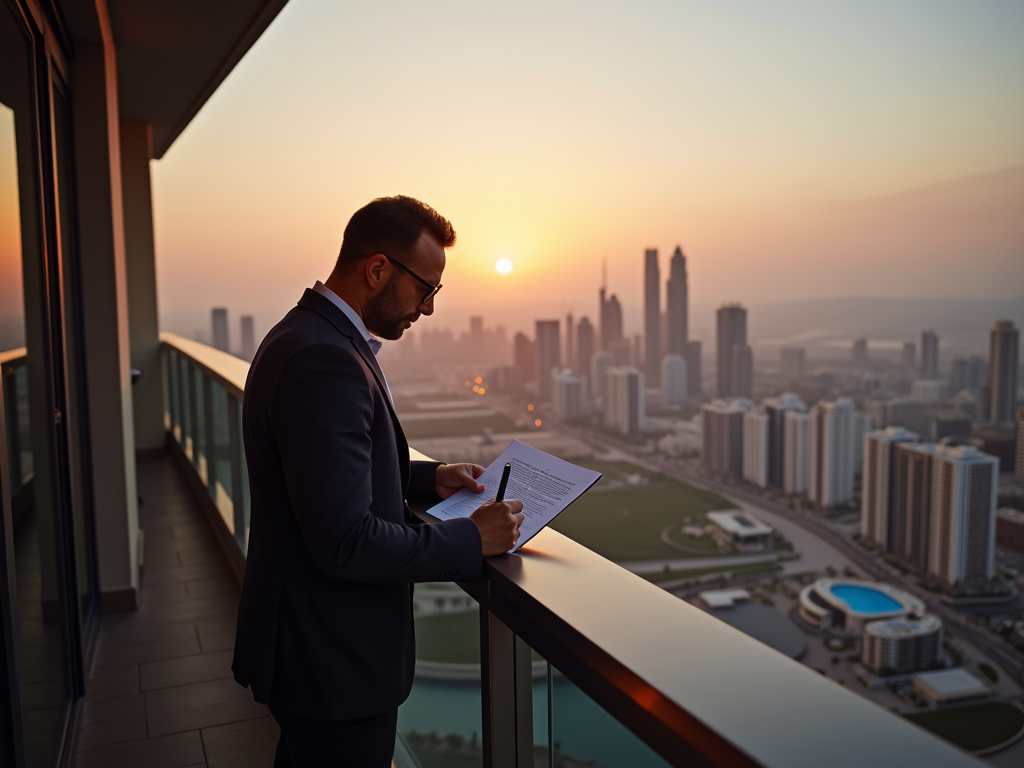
[
  {"x": 105, "y": 317},
  {"x": 143, "y": 327}
]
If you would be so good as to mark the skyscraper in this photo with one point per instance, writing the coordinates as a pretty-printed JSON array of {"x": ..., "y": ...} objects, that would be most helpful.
[
  {"x": 912, "y": 503},
  {"x": 694, "y": 382},
  {"x": 673, "y": 380},
  {"x": 1003, "y": 350},
  {"x": 797, "y": 436},
  {"x": 878, "y": 485},
  {"x": 860, "y": 352},
  {"x": 570, "y": 343},
  {"x": 909, "y": 358},
  {"x": 963, "y": 518},
  {"x": 599, "y": 363},
  {"x": 732, "y": 331},
  {"x": 584, "y": 346},
  {"x": 755, "y": 448},
  {"x": 742, "y": 370},
  {"x": 549, "y": 354},
  {"x": 775, "y": 409},
  {"x": 652, "y": 317},
  {"x": 248, "y": 338},
  {"x": 929, "y": 355},
  {"x": 793, "y": 360},
  {"x": 832, "y": 453},
  {"x": 611, "y": 321},
  {"x": 566, "y": 395},
  {"x": 624, "y": 400},
  {"x": 219, "y": 318},
  {"x": 678, "y": 304},
  {"x": 723, "y": 435},
  {"x": 524, "y": 356}
]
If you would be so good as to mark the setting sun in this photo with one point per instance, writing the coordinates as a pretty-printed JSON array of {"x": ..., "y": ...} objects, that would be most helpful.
[{"x": 504, "y": 266}]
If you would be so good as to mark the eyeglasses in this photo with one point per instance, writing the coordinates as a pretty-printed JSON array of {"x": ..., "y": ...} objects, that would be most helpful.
[{"x": 431, "y": 288}]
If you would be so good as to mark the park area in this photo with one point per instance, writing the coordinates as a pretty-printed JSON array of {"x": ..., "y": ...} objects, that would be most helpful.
[
  {"x": 631, "y": 511},
  {"x": 975, "y": 728}
]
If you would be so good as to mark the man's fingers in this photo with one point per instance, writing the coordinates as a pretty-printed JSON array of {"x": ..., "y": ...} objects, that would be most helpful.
[{"x": 476, "y": 469}]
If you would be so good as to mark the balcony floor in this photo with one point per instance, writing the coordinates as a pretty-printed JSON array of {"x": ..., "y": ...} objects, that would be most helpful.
[{"x": 161, "y": 693}]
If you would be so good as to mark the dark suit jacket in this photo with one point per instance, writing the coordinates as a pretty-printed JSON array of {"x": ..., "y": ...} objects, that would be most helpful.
[{"x": 325, "y": 625}]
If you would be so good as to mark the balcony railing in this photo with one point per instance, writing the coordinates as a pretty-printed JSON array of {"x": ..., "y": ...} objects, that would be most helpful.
[
  {"x": 14, "y": 375},
  {"x": 688, "y": 687}
]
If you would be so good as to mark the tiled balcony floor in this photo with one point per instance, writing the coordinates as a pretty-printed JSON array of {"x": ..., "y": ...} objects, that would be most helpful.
[{"x": 161, "y": 693}]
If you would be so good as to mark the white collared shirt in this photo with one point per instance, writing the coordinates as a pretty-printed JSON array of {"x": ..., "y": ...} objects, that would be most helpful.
[{"x": 374, "y": 343}]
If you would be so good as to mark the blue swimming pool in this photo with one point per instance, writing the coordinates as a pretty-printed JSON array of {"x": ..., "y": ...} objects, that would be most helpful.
[{"x": 865, "y": 599}]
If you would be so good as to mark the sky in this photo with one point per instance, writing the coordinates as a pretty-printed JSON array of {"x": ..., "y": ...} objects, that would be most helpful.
[{"x": 799, "y": 150}]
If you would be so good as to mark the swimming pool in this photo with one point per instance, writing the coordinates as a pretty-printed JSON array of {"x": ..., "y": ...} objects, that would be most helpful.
[{"x": 864, "y": 599}]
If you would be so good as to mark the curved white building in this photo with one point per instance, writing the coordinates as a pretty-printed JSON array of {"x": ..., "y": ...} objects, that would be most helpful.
[
  {"x": 848, "y": 605},
  {"x": 897, "y": 646}
]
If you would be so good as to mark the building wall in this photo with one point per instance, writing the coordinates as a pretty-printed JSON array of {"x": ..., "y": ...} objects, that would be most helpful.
[
  {"x": 796, "y": 439},
  {"x": 549, "y": 354},
  {"x": 755, "y": 448},
  {"x": 832, "y": 453},
  {"x": 652, "y": 317},
  {"x": 1003, "y": 353},
  {"x": 877, "y": 487},
  {"x": 723, "y": 436},
  {"x": 911, "y": 508},
  {"x": 731, "y": 330},
  {"x": 673, "y": 380},
  {"x": 624, "y": 400}
]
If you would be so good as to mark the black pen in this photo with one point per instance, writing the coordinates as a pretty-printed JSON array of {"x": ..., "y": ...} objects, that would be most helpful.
[{"x": 504, "y": 482}]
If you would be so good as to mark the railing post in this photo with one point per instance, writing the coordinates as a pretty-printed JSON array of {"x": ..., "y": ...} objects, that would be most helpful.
[
  {"x": 506, "y": 681},
  {"x": 239, "y": 491},
  {"x": 210, "y": 440},
  {"x": 193, "y": 414},
  {"x": 13, "y": 430}
]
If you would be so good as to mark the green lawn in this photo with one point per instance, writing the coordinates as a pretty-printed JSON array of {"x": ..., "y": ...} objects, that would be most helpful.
[
  {"x": 449, "y": 638},
  {"x": 975, "y": 727},
  {"x": 626, "y": 523}
]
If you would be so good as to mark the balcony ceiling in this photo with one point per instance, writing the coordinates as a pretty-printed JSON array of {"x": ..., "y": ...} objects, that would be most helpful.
[{"x": 172, "y": 54}]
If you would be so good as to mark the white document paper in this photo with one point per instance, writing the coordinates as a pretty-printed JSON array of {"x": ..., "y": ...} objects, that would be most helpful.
[{"x": 544, "y": 483}]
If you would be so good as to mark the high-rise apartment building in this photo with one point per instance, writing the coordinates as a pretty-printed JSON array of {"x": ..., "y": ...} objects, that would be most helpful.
[
  {"x": 219, "y": 321},
  {"x": 694, "y": 382},
  {"x": 911, "y": 509},
  {"x": 932, "y": 391},
  {"x": 476, "y": 332},
  {"x": 566, "y": 395},
  {"x": 963, "y": 519},
  {"x": 832, "y": 461},
  {"x": 742, "y": 370},
  {"x": 878, "y": 486},
  {"x": 723, "y": 435},
  {"x": 673, "y": 380},
  {"x": 624, "y": 400},
  {"x": 929, "y": 355},
  {"x": 611, "y": 321},
  {"x": 524, "y": 356},
  {"x": 549, "y": 354},
  {"x": 793, "y": 361},
  {"x": 1003, "y": 368},
  {"x": 860, "y": 353},
  {"x": 652, "y": 317},
  {"x": 569, "y": 359},
  {"x": 1018, "y": 470},
  {"x": 599, "y": 363},
  {"x": 248, "y": 338},
  {"x": 796, "y": 446},
  {"x": 776, "y": 408},
  {"x": 677, "y": 300},
  {"x": 755, "y": 448},
  {"x": 731, "y": 332},
  {"x": 909, "y": 357},
  {"x": 584, "y": 346}
]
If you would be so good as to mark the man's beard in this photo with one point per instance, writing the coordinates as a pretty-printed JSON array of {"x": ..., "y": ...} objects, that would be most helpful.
[{"x": 384, "y": 315}]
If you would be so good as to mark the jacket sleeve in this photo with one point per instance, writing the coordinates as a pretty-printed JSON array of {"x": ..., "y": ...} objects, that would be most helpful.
[
  {"x": 421, "y": 479},
  {"x": 321, "y": 416}
]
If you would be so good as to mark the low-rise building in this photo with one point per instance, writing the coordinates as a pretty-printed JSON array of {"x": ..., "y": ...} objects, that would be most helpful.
[
  {"x": 848, "y": 605},
  {"x": 741, "y": 530},
  {"x": 949, "y": 685},
  {"x": 898, "y": 646}
]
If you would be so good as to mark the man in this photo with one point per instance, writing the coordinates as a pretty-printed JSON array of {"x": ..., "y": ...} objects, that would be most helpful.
[{"x": 325, "y": 630}]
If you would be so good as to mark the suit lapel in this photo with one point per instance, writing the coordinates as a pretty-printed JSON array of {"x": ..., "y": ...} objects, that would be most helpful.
[{"x": 326, "y": 309}]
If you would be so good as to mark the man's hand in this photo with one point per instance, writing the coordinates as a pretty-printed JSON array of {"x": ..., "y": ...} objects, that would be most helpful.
[
  {"x": 451, "y": 477},
  {"x": 499, "y": 523}
]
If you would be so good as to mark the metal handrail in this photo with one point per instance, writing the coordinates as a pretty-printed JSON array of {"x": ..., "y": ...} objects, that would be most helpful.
[
  {"x": 13, "y": 358},
  {"x": 691, "y": 687}
]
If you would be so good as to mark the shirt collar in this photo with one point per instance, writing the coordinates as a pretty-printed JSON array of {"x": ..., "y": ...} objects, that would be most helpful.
[{"x": 355, "y": 319}]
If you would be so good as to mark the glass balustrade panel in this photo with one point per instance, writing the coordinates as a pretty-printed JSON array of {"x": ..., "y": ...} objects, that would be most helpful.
[
  {"x": 200, "y": 454},
  {"x": 220, "y": 455}
]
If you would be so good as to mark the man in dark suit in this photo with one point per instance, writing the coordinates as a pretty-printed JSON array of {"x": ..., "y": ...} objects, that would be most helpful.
[{"x": 325, "y": 629}]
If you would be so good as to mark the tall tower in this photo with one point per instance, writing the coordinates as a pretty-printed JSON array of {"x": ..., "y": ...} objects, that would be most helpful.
[
  {"x": 929, "y": 355},
  {"x": 732, "y": 331},
  {"x": 912, "y": 503},
  {"x": 570, "y": 343},
  {"x": 549, "y": 355},
  {"x": 677, "y": 301},
  {"x": 832, "y": 452},
  {"x": 219, "y": 319},
  {"x": 584, "y": 346},
  {"x": 877, "y": 494},
  {"x": 652, "y": 316},
  {"x": 1003, "y": 349},
  {"x": 248, "y": 338}
]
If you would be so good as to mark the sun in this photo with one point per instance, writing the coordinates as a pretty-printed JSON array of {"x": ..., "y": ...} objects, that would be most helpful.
[{"x": 504, "y": 266}]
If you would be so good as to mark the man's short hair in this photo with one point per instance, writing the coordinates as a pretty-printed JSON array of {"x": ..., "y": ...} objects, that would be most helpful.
[{"x": 392, "y": 226}]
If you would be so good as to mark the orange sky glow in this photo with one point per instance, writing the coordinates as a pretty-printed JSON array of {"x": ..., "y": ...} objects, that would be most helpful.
[{"x": 798, "y": 151}]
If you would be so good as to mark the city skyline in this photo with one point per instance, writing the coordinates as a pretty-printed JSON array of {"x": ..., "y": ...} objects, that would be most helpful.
[{"x": 794, "y": 153}]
